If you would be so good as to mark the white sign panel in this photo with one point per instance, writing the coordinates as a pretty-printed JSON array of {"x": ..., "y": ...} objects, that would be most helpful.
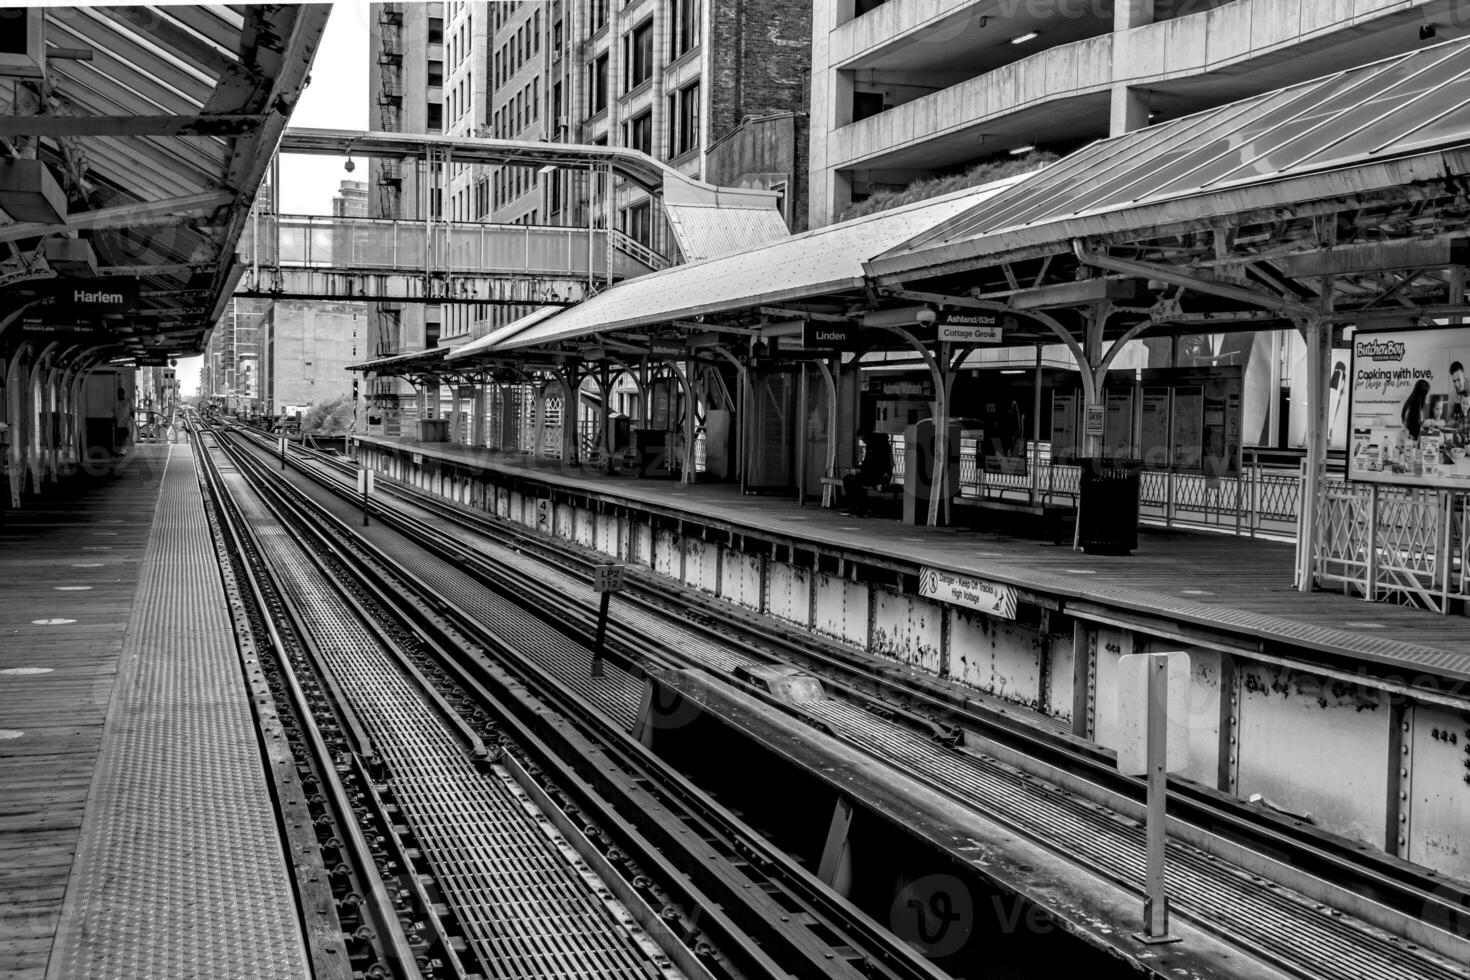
[
  {"x": 1132, "y": 707},
  {"x": 1094, "y": 420},
  {"x": 365, "y": 481},
  {"x": 961, "y": 334},
  {"x": 963, "y": 590},
  {"x": 1410, "y": 418},
  {"x": 607, "y": 578}
]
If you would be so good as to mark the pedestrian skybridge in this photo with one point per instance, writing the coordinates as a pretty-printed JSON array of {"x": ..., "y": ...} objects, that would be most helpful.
[
  {"x": 367, "y": 259},
  {"x": 407, "y": 261}
]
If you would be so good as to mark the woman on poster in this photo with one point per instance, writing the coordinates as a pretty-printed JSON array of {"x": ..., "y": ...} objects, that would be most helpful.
[{"x": 1412, "y": 414}]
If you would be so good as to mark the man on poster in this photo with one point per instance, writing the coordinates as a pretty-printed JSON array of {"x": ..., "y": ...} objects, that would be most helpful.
[{"x": 1459, "y": 402}]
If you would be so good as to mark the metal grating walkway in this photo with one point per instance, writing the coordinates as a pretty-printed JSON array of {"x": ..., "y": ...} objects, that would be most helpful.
[
  {"x": 529, "y": 904},
  {"x": 180, "y": 871}
]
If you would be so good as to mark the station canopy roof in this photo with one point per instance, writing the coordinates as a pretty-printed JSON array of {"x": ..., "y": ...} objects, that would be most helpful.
[
  {"x": 802, "y": 267},
  {"x": 1355, "y": 176},
  {"x": 133, "y": 140}
]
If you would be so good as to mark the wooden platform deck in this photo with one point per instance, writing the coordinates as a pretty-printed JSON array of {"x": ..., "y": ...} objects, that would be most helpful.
[
  {"x": 1218, "y": 582},
  {"x": 69, "y": 568}
]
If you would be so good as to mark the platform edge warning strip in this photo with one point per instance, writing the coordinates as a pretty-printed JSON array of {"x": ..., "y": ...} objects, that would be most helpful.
[{"x": 180, "y": 869}]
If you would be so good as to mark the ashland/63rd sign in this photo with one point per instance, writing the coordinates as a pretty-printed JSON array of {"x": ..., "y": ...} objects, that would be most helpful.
[{"x": 994, "y": 598}]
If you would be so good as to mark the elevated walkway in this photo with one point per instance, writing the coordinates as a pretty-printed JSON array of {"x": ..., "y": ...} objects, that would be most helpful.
[{"x": 367, "y": 259}]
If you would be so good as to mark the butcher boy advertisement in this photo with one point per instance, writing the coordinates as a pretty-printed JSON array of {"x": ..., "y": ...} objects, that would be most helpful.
[{"x": 1410, "y": 416}]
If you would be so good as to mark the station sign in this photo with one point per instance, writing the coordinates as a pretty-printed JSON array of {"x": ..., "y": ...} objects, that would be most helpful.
[
  {"x": 994, "y": 598},
  {"x": 109, "y": 296},
  {"x": 829, "y": 336},
  {"x": 969, "y": 327},
  {"x": 668, "y": 348}
]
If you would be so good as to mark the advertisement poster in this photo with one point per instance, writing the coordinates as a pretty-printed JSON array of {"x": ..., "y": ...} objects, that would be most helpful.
[
  {"x": 1064, "y": 426},
  {"x": 1410, "y": 401},
  {"x": 1337, "y": 394},
  {"x": 1118, "y": 424},
  {"x": 1004, "y": 425},
  {"x": 1189, "y": 426},
  {"x": 1153, "y": 430}
]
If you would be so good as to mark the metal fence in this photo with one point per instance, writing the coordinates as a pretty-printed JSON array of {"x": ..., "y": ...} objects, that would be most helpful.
[
  {"x": 1397, "y": 544},
  {"x": 1261, "y": 500}
]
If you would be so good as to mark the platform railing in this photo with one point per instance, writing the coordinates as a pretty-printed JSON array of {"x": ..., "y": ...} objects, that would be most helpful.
[
  {"x": 1397, "y": 544},
  {"x": 1260, "y": 499}
]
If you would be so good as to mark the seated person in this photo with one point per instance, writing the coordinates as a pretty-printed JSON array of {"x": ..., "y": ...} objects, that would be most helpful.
[{"x": 875, "y": 470}]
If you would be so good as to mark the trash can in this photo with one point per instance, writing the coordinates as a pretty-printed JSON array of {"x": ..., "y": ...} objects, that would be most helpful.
[{"x": 1107, "y": 515}]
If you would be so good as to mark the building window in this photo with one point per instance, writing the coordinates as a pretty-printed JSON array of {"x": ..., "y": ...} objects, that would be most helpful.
[
  {"x": 598, "y": 15},
  {"x": 686, "y": 130},
  {"x": 556, "y": 40},
  {"x": 597, "y": 83},
  {"x": 685, "y": 33},
  {"x": 436, "y": 117},
  {"x": 436, "y": 30},
  {"x": 638, "y": 223},
  {"x": 638, "y": 55},
  {"x": 638, "y": 132},
  {"x": 436, "y": 74}
]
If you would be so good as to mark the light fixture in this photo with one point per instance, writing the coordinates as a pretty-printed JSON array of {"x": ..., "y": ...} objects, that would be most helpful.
[
  {"x": 547, "y": 170},
  {"x": 1023, "y": 38},
  {"x": 1013, "y": 371},
  {"x": 349, "y": 166},
  {"x": 1017, "y": 151}
]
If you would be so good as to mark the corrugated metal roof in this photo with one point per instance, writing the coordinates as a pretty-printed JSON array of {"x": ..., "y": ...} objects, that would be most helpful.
[
  {"x": 481, "y": 344},
  {"x": 814, "y": 263},
  {"x": 704, "y": 232}
]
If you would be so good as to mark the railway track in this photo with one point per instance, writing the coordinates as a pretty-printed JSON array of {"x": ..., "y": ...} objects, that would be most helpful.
[
  {"x": 717, "y": 900},
  {"x": 1399, "y": 896}
]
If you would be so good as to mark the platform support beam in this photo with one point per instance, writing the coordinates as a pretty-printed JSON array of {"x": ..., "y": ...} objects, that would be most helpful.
[
  {"x": 1319, "y": 338},
  {"x": 1400, "y": 778},
  {"x": 1084, "y": 678}
]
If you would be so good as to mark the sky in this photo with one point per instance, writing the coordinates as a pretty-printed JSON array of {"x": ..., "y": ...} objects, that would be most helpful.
[{"x": 336, "y": 98}]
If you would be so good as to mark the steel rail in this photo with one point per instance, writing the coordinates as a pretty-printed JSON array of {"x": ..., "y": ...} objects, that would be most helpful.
[
  {"x": 613, "y": 762},
  {"x": 1233, "y": 830},
  {"x": 311, "y": 540},
  {"x": 388, "y": 935}
]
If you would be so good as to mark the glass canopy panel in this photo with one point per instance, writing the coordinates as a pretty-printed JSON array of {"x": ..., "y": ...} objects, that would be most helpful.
[
  {"x": 1450, "y": 124},
  {"x": 1231, "y": 146},
  {"x": 1116, "y": 186},
  {"x": 1342, "y": 115},
  {"x": 1060, "y": 192},
  {"x": 1440, "y": 115}
]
